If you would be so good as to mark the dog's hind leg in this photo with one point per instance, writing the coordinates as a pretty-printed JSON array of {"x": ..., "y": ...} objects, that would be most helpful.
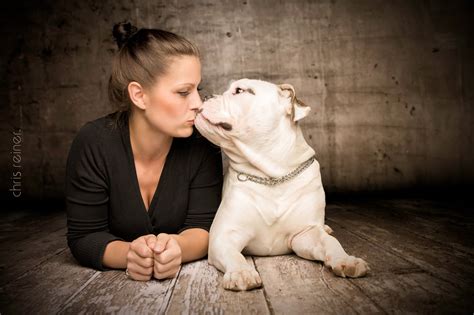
[
  {"x": 307, "y": 244},
  {"x": 316, "y": 244}
]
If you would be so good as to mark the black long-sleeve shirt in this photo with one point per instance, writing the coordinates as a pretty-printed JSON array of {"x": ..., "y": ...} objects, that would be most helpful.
[{"x": 103, "y": 197}]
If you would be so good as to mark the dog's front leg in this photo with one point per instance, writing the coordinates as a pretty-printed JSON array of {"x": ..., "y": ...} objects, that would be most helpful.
[{"x": 225, "y": 254}]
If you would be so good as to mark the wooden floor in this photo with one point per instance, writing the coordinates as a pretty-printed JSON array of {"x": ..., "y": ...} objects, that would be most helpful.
[{"x": 420, "y": 252}]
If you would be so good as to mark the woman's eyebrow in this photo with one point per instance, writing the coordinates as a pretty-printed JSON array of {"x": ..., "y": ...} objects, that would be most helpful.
[
  {"x": 188, "y": 83},
  {"x": 183, "y": 84}
]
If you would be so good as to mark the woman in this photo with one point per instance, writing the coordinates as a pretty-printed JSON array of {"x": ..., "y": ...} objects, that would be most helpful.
[{"x": 142, "y": 186}]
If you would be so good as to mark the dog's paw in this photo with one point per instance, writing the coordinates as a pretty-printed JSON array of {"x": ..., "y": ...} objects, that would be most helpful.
[
  {"x": 349, "y": 266},
  {"x": 242, "y": 280}
]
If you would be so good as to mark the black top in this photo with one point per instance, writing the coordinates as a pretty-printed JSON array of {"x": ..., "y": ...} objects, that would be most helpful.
[{"x": 103, "y": 197}]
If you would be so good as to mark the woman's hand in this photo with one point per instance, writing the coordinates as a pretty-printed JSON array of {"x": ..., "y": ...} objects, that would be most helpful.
[
  {"x": 167, "y": 256},
  {"x": 140, "y": 258}
]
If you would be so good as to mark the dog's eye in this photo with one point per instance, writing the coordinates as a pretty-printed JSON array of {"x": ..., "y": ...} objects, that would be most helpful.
[{"x": 238, "y": 90}]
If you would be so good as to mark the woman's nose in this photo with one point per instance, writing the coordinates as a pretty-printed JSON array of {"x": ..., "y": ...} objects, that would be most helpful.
[{"x": 196, "y": 104}]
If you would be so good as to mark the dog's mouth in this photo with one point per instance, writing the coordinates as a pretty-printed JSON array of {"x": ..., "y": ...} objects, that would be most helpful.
[{"x": 223, "y": 125}]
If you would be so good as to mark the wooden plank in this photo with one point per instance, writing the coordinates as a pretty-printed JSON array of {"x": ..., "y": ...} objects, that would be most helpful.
[
  {"x": 439, "y": 222},
  {"x": 455, "y": 211},
  {"x": 405, "y": 289},
  {"x": 111, "y": 291},
  {"x": 422, "y": 218},
  {"x": 415, "y": 293},
  {"x": 380, "y": 259},
  {"x": 440, "y": 261},
  {"x": 44, "y": 288},
  {"x": 31, "y": 251},
  {"x": 30, "y": 224},
  {"x": 294, "y": 285},
  {"x": 199, "y": 290},
  {"x": 16, "y": 211}
]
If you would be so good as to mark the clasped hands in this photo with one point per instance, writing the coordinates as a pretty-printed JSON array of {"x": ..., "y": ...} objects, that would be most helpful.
[{"x": 154, "y": 255}]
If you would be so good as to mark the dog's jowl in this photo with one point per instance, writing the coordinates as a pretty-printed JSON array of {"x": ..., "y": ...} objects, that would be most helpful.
[{"x": 273, "y": 200}]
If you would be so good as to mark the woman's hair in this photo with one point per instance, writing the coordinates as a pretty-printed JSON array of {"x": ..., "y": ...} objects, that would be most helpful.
[{"x": 143, "y": 56}]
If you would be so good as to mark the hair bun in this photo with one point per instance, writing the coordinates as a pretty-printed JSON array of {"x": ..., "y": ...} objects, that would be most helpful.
[{"x": 122, "y": 32}]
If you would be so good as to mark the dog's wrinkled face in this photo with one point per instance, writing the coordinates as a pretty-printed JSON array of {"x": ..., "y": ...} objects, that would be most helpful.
[{"x": 249, "y": 108}]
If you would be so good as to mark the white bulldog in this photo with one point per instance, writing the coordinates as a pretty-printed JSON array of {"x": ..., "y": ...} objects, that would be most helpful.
[{"x": 273, "y": 201}]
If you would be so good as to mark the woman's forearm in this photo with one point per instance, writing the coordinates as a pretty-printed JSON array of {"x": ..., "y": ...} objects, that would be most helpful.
[
  {"x": 193, "y": 242},
  {"x": 115, "y": 255}
]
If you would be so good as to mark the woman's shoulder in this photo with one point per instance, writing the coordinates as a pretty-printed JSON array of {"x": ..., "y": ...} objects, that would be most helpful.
[
  {"x": 93, "y": 132},
  {"x": 109, "y": 122}
]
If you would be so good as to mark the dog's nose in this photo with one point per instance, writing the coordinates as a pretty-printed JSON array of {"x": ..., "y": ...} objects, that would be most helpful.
[{"x": 206, "y": 97}]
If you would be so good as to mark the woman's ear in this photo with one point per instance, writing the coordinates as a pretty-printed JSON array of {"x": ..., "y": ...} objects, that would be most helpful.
[
  {"x": 137, "y": 94},
  {"x": 296, "y": 108}
]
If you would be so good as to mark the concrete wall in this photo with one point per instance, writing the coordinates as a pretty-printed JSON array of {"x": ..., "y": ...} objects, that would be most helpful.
[{"x": 390, "y": 82}]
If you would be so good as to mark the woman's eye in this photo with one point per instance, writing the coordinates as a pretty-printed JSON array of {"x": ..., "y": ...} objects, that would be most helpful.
[
  {"x": 199, "y": 88},
  {"x": 184, "y": 93},
  {"x": 238, "y": 90}
]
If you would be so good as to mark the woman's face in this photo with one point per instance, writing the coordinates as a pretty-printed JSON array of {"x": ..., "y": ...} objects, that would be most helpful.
[{"x": 174, "y": 99}]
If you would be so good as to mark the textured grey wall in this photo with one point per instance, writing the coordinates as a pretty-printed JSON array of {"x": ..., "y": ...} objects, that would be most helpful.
[{"x": 390, "y": 82}]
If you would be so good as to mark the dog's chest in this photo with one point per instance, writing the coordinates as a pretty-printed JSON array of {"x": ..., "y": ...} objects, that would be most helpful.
[{"x": 271, "y": 210}]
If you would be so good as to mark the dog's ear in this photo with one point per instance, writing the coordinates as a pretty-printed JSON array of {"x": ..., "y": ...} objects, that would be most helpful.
[{"x": 297, "y": 108}]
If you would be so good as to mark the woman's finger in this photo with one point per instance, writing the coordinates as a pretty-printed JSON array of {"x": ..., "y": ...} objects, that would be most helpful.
[
  {"x": 167, "y": 274},
  {"x": 172, "y": 252},
  {"x": 150, "y": 241},
  {"x": 140, "y": 247},
  {"x": 145, "y": 262},
  {"x": 139, "y": 270},
  {"x": 162, "y": 268},
  {"x": 165, "y": 257},
  {"x": 138, "y": 276},
  {"x": 132, "y": 257}
]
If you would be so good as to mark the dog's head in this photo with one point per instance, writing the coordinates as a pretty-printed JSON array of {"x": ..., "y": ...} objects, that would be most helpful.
[{"x": 249, "y": 109}]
